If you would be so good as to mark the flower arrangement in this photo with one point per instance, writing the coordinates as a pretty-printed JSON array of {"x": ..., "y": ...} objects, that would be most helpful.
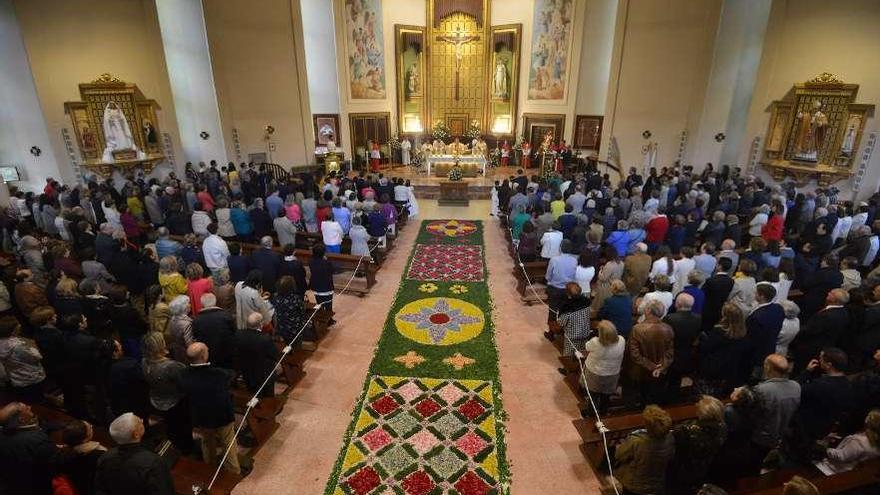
[
  {"x": 440, "y": 131},
  {"x": 495, "y": 157},
  {"x": 519, "y": 142},
  {"x": 394, "y": 142},
  {"x": 473, "y": 131},
  {"x": 454, "y": 174}
]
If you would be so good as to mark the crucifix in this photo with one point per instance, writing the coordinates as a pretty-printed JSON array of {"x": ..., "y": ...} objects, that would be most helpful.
[{"x": 459, "y": 39}]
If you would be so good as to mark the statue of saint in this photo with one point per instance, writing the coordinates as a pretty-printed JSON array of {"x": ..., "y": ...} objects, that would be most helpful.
[
  {"x": 500, "y": 80},
  {"x": 150, "y": 133},
  {"x": 812, "y": 129},
  {"x": 117, "y": 133},
  {"x": 412, "y": 80},
  {"x": 849, "y": 139}
]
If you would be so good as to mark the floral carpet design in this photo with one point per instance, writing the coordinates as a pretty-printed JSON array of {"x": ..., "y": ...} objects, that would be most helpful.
[
  {"x": 446, "y": 263},
  {"x": 423, "y": 434},
  {"x": 451, "y": 228},
  {"x": 439, "y": 321},
  {"x": 430, "y": 421}
]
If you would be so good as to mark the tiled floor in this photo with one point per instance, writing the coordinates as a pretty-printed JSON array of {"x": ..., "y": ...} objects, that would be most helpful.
[{"x": 541, "y": 441}]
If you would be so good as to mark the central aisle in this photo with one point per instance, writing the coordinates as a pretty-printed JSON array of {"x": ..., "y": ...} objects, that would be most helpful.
[{"x": 542, "y": 445}]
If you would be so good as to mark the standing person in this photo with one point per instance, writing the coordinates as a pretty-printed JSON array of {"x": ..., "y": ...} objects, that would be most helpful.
[
  {"x": 574, "y": 321},
  {"x": 717, "y": 289},
  {"x": 780, "y": 398},
  {"x": 560, "y": 271},
  {"x": 167, "y": 398},
  {"x": 22, "y": 361},
  {"x": 81, "y": 455},
  {"x": 28, "y": 457},
  {"x": 650, "y": 349},
  {"x": 636, "y": 268},
  {"x": 285, "y": 229},
  {"x": 617, "y": 308},
  {"x": 332, "y": 234},
  {"x": 584, "y": 273},
  {"x": 250, "y": 298},
  {"x": 686, "y": 326},
  {"x": 257, "y": 356},
  {"x": 268, "y": 262},
  {"x": 180, "y": 328},
  {"x": 763, "y": 326},
  {"x": 321, "y": 281},
  {"x": 130, "y": 468},
  {"x": 210, "y": 398},
  {"x": 215, "y": 327},
  {"x": 602, "y": 366},
  {"x": 359, "y": 238},
  {"x": 697, "y": 442},
  {"x": 197, "y": 285},
  {"x": 290, "y": 315},
  {"x": 611, "y": 270},
  {"x": 215, "y": 250}
]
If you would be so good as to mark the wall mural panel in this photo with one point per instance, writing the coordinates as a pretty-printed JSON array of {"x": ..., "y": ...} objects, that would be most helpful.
[
  {"x": 551, "y": 49},
  {"x": 364, "y": 48},
  {"x": 503, "y": 80},
  {"x": 409, "y": 49}
]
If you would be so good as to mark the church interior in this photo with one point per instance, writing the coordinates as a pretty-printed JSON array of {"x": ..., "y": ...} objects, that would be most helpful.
[{"x": 379, "y": 212}]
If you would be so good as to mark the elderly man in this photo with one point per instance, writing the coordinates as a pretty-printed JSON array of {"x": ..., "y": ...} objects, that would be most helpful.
[
  {"x": 824, "y": 329},
  {"x": 636, "y": 268},
  {"x": 728, "y": 250},
  {"x": 210, "y": 401},
  {"x": 780, "y": 398},
  {"x": 130, "y": 468},
  {"x": 105, "y": 245},
  {"x": 165, "y": 245},
  {"x": 651, "y": 349},
  {"x": 257, "y": 356},
  {"x": 27, "y": 456},
  {"x": 686, "y": 327},
  {"x": 215, "y": 327},
  {"x": 816, "y": 285},
  {"x": 268, "y": 262}
]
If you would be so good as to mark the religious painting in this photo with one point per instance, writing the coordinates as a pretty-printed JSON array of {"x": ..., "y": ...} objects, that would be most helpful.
[
  {"x": 326, "y": 127},
  {"x": 776, "y": 136},
  {"x": 87, "y": 139},
  {"x": 149, "y": 126},
  {"x": 551, "y": 46},
  {"x": 365, "y": 49},
  {"x": 503, "y": 77},
  {"x": 409, "y": 48},
  {"x": 587, "y": 132}
]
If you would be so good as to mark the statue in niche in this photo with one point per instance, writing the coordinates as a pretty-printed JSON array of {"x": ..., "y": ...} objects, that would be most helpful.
[
  {"x": 150, "y": 133},
  {"x": 412, "y": 80},
  {"x": 812, "y": 128},
  {"x": 500, "y": 81},
  {"x": 849, "y": 139},
  {"x": 117, "y": 133}
]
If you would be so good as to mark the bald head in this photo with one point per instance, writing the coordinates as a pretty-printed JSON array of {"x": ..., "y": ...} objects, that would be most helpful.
[
  {"x": 684, "y": 302},
  {"x": 197, "y": 353},
  {"x": 837, "y": 297},
  {"x": 16, "y": 414},
  {"x": 642, "y": 247},
  {"x": 775, "y": 366},
  {"x": 255, "y": 321}
]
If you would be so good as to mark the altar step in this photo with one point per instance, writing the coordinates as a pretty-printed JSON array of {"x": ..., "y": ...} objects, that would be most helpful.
[{"x": 432, "y": 191}]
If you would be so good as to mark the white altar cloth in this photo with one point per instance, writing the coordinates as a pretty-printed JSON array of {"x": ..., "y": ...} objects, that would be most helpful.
[{"x": 462, "y": 159}]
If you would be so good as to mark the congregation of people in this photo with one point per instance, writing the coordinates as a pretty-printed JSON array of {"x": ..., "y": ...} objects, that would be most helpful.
[
  {"x": 759, "y": 302},
  {"x": 139, "y": 306}
]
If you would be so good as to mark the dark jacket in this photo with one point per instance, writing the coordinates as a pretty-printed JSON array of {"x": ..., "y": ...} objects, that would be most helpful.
[
  {"x": 268, "y": 262},
  {"x": 128, "y": 389},
  {"x": 209, "y": 396},
  {"x": 824, "y": 400},
  {"x": 215, "y": 327},
  {"x": 721, "y": 357},
  {"x": 105, "y": 248},
  {"x": 762, "y": 327},
  {"x": 27, "y": 461},
  {"x": 295, "y": 269},
  {"x": 686, "y": 330},
  {"x": 321, "y": 275},
  {"x": 717, "y": 288},
  {"x": 822, "y": 330},
  {"x": 618, "y": 310},
  {"x": 50, "y": 341},
  {"x": 256, "y": 358},
  {"x": 239, "y": 266},
  {"x": 816, "y": 286},
  {"x": 81, "y": 467},
  {"x": 133, "y": 470}
]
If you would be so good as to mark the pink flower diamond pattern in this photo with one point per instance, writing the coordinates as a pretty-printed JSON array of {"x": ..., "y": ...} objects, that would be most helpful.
[
  {"x": 471, "y": 444},
  {"x": 423, "y": 441},
  {"x": 376, "y": 439},
  {"x": 409, "y": 391},
  {"x": 447, "y": 263},
  {"x": 450, "y": 393}
]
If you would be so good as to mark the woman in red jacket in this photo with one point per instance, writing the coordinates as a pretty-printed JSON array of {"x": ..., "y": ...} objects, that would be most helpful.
[{"x": 772, "y": 230}]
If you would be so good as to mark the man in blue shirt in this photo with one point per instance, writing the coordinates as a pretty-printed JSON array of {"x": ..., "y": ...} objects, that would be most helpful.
[
  {"x": 274, "y": 204},
  {"x": 560, "y": 271}
]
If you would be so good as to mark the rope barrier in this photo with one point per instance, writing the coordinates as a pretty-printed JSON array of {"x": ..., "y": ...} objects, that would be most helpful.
[{"x": 600, "y": 426}]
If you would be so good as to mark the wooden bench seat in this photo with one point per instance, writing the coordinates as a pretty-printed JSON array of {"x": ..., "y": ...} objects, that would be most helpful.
[{"x": 865, "y": 475}]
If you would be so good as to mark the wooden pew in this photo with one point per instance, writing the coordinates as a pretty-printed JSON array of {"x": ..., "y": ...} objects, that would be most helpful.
[
  {"x": 536, "y": 271},
  {"x": 865, "y": 475},
  {"x": 262, "y": 419}
]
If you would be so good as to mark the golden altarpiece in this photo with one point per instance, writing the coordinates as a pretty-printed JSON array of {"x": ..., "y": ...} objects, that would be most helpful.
[
  {"x": 814, "y": 133},
  {"x": 109, "y": 103},
  {"x": 457, "y": 70}
]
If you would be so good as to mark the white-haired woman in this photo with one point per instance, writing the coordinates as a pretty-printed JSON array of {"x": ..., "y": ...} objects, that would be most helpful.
[
  {"x": 180, "y": 328},
  {"x": 602, "y": 366},
  {"x": 790, "y": 327}
]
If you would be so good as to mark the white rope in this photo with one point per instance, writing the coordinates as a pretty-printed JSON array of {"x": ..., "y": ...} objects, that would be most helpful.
[
  {"x": 284, "y": 352},
  {"x": 600, "y": 426}
]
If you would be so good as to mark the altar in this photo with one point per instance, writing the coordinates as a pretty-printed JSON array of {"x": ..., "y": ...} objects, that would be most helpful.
[{"x": 470, "y": 165}]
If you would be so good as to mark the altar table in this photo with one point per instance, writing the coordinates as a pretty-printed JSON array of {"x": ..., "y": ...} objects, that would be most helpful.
[{"x": 463, "y": 161}]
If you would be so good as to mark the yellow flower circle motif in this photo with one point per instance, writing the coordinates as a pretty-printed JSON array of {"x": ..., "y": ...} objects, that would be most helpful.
[
  {"x": 458, "y": 289},
  {"x": 452, "y": 228},
  {"x": 429, "y": 288},
  {"x": 440, "y": 321}
]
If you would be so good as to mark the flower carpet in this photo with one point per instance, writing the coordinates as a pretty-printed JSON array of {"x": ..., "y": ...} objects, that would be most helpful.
[{"x": 430, "y": 420}]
